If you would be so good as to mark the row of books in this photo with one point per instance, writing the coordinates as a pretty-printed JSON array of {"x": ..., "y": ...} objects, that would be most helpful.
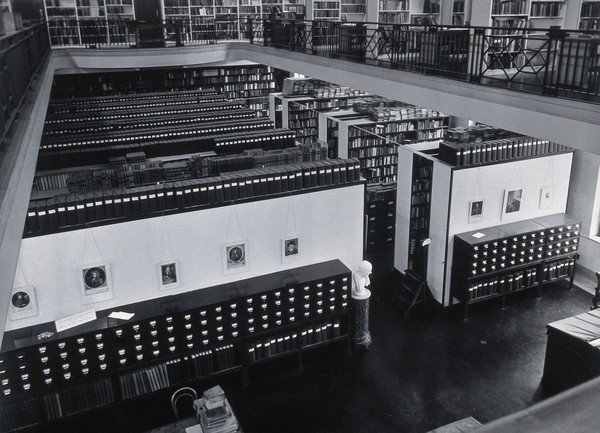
[
  {"x": 333, "y": 91},
  {"x": 87, "y": 126},
  {"x": 165, "y": 94},
  {"x": 50, "y": 215},
  {"x": 123, "y": 174},
  {"x": 78, "y": 398},
  {"x": 382, "y": 112},
  {"x": 176, "y": 371},
  {"x": 134, "y": 105},
  {"x": 141, "y": 113},
  {"x": 468, "y": 154},
  {"x": 476, "y": 133},
  {"x": 108, "y": 138},
  {"x": 509, "y": 7},
  {"x": 557, "y": 269},
  {"x": 20, "y": 413},
  {"x": 546, "y": 9},
  {"x": 234, "y": 142},
  {"x": 502, "y": 284},
  {"x": 123, "y": 103}
]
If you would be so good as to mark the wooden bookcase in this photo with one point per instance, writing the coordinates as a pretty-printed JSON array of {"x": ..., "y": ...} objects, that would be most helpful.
[{"x": 193, "y": 337}]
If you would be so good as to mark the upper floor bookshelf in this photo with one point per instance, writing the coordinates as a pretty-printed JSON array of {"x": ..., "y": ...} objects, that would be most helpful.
[{"x": 589, "y": 15}]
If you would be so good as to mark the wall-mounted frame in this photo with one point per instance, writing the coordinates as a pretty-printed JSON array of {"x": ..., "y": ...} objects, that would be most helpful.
[
  {"x": 290, "y": 249},
  {"x": 476, "y": 210},
  {"x": 235, "y": 256},
  {"x": 96, "y": 282},
  {"x": 513, "y": 202},
  {"x": 168, "y": 275},
  {"x": 23, "y": 303},
  {"x": 546, "y": 197}
]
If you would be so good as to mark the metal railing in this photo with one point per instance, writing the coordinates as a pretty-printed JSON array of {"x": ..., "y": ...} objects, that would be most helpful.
[
  {"x": 21, "y": 55},
  {"x": 552, "y": 61}
]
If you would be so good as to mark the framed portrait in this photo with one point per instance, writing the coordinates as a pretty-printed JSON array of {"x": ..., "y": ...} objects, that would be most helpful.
[
  {"x": 290, "y": 249},
  {"x": 546, "y": 197},
  {"x": 476, "y": 210},
  {"x": 513, "y": 201},
  {"x": 236, "y": 257},
  {"x": 23, "y": 303},
  {"x": 96, "y": 282},
  {"x": 168, "y": 275}
]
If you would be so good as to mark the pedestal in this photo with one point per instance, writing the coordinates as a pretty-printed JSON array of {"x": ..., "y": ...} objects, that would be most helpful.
[{"x": 361, "y": 337}]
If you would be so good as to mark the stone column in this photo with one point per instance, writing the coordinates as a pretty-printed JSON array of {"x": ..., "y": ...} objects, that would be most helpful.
[{"x": 361, "y": 337}]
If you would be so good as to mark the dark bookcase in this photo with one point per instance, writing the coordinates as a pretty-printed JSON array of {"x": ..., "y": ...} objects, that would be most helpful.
[{"x": 420, "y": 210}]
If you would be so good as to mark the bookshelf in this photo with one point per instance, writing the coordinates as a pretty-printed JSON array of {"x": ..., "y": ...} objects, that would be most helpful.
[
  {"x": 589, "y": 16},
  {"x": 247, "y": 82},
  {"x": 327, "y": 10},
  {"x": 420, "y": 210},
  {"x": 74, "y": 22},
  {"x": 381, "y": 220},
  {"x": 394, "y": 11},
  {"x": 107, "y": 363},
  {"x": 456, "y": 189},
  {"x": 509, "y": 258}
]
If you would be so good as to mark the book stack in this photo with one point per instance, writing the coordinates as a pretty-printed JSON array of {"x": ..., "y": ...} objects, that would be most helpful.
[{"x": 214, "y": 413}]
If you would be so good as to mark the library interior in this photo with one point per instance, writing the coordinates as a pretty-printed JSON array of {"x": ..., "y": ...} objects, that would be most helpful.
[{"x": 300, "y": 216}]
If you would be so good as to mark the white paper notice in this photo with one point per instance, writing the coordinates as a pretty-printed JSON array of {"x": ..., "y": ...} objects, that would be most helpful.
[
  {"x": 121, "y": 315},
  {"x": 478, "y": 235},
  {"x": 75, "y": 320}
]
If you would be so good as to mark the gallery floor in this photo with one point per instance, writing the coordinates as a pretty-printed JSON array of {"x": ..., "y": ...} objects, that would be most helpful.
[{"x": 420, "y": 373}]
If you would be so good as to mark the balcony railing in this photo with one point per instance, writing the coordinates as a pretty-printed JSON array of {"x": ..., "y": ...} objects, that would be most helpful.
[
  {"x": 21, "y": 54},
  {"x": 555, "y": 62}
]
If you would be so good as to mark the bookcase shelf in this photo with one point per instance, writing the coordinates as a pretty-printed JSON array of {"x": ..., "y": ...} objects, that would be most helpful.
[
  {"x": 493, "y": 262},
  {"x": 158, "y": 350},
  {"x": 77, "y": 211}
]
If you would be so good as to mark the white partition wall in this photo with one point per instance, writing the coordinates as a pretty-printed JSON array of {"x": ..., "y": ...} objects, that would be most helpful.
[
  {"x": 452, "y": 192},
  {"x": 134, "y": 250}
]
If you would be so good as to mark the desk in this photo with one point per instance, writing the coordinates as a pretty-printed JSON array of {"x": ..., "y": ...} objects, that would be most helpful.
[{"x": 573, "y": 351}]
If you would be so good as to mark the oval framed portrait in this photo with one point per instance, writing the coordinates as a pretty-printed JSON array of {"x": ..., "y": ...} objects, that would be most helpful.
[
  {"x": 20, "y": 299},
  {"x": 23, "y": 303},
  {"x": 235, "y": 256},
  {"x": 95, "y": 277}
]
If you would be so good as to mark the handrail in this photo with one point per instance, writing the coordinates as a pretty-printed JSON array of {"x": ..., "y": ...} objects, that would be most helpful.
[{"x": 554, "y": 62}]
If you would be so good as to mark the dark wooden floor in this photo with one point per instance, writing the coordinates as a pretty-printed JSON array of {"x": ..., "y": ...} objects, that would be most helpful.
[{"x": 420, "y": 373}]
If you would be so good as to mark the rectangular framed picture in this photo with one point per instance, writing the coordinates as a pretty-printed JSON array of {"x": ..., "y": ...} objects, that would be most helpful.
[
  {"x": 290, "y": 249},
  {"x": 235, "y": 256},
  {"x": 96, "y": 282},
  {"x": 513, "y": 201},
  {"x": 546, "y": 197},
  {"x": 476, "y": 210},
  {"x": 168, "y": 275},
  {"x": 23, "y": 303}
]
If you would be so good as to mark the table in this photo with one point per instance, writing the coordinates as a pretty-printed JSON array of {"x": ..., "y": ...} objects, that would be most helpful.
[{"x": 572, "y": 352}]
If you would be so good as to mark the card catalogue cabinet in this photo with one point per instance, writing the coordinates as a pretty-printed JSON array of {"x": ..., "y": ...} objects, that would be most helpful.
[
  {"x": 496, "y": 261},
  {"x": 178, "y": 340}
]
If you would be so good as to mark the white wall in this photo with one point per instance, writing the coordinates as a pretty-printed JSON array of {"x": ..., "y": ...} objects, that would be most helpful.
[
  {"x": 438, "y": 227},
  {"x": 490, "y": 182},
  {"x": 329, "y": 224},
  {"x": 584, "y": 203}
]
